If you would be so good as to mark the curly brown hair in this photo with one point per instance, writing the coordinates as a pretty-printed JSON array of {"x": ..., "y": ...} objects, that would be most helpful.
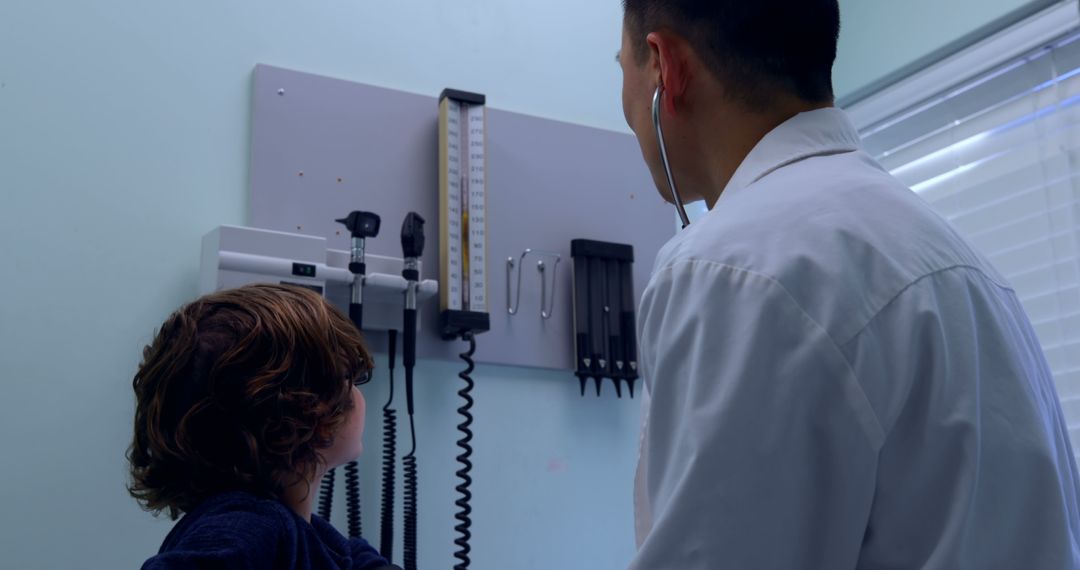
[{"x": 240, "y": 390}]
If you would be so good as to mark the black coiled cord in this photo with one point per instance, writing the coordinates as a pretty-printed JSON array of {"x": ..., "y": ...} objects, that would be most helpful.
[
  {"x": 352, "y": 498},
  {"x": 326, "y": 498},
  {"x": 389, "y": 463},
  {"x": 463, "y": 503},
  {"x": 410, "y": 503}
]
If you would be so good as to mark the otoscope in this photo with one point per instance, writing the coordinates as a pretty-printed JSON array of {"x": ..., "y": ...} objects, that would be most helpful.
[{"x": 361, "y": 225}]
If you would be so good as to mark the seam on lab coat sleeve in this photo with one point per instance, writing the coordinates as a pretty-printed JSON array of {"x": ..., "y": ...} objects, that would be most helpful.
[
  {"x": 873, "y": 428},
  {"x": 915, "y": 282}
]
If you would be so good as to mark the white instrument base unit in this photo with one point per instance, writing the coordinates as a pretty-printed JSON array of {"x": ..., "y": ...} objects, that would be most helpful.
[{"x": 234, "y": 256}]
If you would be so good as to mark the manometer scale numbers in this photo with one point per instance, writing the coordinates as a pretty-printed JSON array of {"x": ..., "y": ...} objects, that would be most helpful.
[{"x": 463, "y": 202}]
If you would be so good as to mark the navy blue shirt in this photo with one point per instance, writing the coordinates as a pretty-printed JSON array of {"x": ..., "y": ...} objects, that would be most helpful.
[{"x": 238, "y": 530}]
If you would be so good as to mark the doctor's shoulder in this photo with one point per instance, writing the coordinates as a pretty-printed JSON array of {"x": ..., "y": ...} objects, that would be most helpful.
[{"x": 838, "y": 246}]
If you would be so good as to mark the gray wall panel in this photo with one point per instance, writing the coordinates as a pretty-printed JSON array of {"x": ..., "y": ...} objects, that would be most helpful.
[{"x": 548, "y": 183}]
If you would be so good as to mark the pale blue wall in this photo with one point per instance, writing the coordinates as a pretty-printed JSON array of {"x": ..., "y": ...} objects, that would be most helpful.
[
  {"x": 124, "y": 138},
  {"x": 880, "y": 37}
]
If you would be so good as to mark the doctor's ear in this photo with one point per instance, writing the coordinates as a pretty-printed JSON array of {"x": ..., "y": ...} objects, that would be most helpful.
[{"x": 668, "y": 59}]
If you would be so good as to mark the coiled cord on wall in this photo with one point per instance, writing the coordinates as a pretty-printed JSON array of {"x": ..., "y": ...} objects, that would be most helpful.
[
  {"x": 352, "y": 498},
  {"x": 463, "y": 503},
  {"x": 410, "y": 503},
  {"x": 389, "y": 463},
  {"x": 326, "y": 498}
]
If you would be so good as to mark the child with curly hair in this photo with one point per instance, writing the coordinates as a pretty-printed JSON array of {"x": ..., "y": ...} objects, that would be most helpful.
[{"x": 244, "y": 400}]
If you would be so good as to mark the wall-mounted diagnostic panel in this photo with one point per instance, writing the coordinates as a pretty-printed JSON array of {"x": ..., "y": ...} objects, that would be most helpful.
[{"x": 491, "y": 184}]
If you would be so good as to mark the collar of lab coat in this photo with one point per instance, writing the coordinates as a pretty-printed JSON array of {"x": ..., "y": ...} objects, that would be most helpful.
[{"x": 813, "y": 133}]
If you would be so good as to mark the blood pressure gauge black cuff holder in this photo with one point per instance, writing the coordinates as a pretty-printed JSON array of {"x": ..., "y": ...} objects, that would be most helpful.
[{"x": 453, "y": 324}]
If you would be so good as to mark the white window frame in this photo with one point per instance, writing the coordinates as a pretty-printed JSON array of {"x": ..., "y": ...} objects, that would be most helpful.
[{"x": 956, "y": 69}]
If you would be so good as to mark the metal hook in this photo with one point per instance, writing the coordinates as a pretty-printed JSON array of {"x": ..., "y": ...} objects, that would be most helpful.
[
  {"x": 546, "y": 313},
  {"x": 513, "y": 302}
]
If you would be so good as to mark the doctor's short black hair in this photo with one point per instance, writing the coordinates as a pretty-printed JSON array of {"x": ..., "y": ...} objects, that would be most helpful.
[{"x": 758, "y": 48}]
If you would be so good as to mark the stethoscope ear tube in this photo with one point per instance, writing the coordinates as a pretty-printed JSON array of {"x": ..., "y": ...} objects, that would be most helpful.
[{"x": 685, "y": 219}]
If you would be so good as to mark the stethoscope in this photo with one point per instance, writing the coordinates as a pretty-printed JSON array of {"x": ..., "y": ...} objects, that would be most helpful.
[{"x": 664, "y": 157}]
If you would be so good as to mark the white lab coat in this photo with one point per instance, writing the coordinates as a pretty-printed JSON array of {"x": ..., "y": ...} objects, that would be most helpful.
[{"x": 838, "y": 381}]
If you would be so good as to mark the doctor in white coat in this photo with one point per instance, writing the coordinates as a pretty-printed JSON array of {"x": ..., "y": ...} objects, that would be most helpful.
[{"x": 836, "y": 379}]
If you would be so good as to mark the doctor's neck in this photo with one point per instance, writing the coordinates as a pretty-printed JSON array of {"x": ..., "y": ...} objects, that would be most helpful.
[{"x": 721, "y": 131}]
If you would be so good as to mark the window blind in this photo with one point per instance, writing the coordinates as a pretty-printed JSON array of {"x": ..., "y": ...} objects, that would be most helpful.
[{"x": 999, "y": 157}]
